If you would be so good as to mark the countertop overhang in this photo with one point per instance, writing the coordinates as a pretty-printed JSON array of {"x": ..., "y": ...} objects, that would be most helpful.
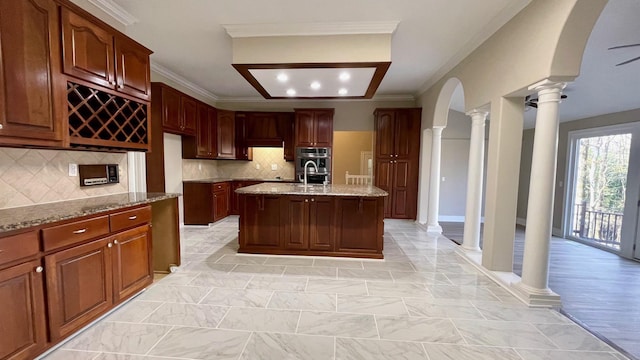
[
  {"x": 217, "y": 180},
  {"x": 312, "y": 189},
  {"x": 28, "y": 216}
]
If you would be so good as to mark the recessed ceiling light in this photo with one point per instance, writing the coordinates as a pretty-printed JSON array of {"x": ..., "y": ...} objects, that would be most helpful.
[
  {"x": 344, "y": 76},
  {"x": 283, "y": 77},
  {"x": 343, "y": 91},
  {"x": 291, "y": 92},
  {"x": 315, "y": 85}
]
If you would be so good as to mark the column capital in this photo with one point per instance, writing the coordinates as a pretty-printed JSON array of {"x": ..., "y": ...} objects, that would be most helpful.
[
  {"x": 547, "y": 84},
  {"x": 437, "y": 130},
  {"x": 478, "y": 117}
]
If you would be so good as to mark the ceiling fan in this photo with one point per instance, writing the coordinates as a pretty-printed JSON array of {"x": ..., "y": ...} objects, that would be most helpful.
[
  {"x": 530, "y": 102},
  {"x": 622, "y": 47}
]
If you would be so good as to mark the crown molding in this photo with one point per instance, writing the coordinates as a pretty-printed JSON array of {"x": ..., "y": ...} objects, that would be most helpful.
[
  {"x": 183, "y": 82},
  {"x": 305, "y": 29},
  {"x": 487, "y": 31},
  {"x": 254, "y": 99},
  {"x": 115, "y": 11}
]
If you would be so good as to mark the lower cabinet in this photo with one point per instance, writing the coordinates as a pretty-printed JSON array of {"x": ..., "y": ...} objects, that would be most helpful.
[
  {"x": 307, "y": 223},
  {"x": 132, "y": 264},
  {"x": 79, "y": 286},
  {"x": 22, "y": 311},
  {"x": 311, "y": 225},
  {"x": 220, "y": 204}
]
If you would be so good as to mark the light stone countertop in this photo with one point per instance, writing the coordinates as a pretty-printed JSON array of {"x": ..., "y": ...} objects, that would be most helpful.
[
  {"x": 28, "y": 216},
  {"x": 217, "y": 180},
  {"x": 313, "y": 189}
]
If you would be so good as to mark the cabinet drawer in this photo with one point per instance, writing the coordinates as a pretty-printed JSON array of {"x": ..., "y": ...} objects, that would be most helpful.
[
  {"x": 220, "y": 186},
  {"x": 18, "y": 246},
  {"x": 130, "y": 218},
  {"x": 75, "y": 232}
]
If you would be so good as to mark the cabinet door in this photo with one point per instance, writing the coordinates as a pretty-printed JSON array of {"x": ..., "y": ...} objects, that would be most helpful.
[
  {"x": 203, "y": 132},
  {"x": 260, "y": 222},
  {"x": 234, "y": 207},
  {"x": 189, "y": 109},
  {"x": 407, "y": 134},
  {"x": 171, "y": 113},
  {"x": 132, "y": 68},
  {"x": 384, "y": 180},
  {"x": 132, "y": 270},
  {"x": 323, "y": 128},
  {"x": 243, "y": 152},
  {"x": 295, "y": 218},
  {"x": 226, "y": 134},
  {"x": 286, "y": 125},
  {"x": 385, "y": 126},
  {"x": 321, "y": 223},
  {"x": 304, "y": 128},
  {"x": 23, "y": 325},
  {"x": 212, "y": 114},
  {"x": 220, "y": 204},
  {"x": 79, "y": 286},
  {"x": 355, "y": 233},
  {"x": 87, "y": 49},
  {"x": 400, "y": 207},
  {"x": 31, "y": 97}
]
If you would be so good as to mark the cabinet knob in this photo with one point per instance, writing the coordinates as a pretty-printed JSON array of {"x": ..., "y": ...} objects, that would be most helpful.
[
  {"x": 312, "y": 200},
  {"x": 39, "y": 269},
  {"x": 115, "y": 242},
  {"x": 109, "y": 245},
  {"x": 1, "y": 126},
  {"x": 306, "y": 200}
]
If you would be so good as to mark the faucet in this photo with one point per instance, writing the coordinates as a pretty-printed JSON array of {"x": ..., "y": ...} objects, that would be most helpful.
[{"x": 305, "y": 169}]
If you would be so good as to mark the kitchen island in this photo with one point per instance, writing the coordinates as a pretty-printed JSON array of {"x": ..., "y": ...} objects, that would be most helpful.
[{"x": 297, "y": 219}]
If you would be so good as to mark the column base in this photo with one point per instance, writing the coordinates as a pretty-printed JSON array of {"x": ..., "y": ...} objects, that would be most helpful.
[
  {"x": 434, "y": 228},
  {"x": 536, "y": 297},
  {"x": 471, "y": 248}
]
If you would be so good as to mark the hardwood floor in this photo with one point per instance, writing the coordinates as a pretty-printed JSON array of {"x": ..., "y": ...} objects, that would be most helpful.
[{"x": 599, "y": 289}]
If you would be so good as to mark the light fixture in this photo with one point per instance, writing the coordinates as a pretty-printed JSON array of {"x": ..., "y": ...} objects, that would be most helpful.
[
  {"x": 315, "y": 85},
  {"x": 344, "y": 76},
  {"x": 282, "y": 77},
  {"x": 343, "y": 91},
  {"x": 291, "y": 92}
]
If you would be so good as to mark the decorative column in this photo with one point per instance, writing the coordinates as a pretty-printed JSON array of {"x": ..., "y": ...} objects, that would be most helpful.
[
  {"x": 434, "y": 182},
  {"x": 533, "y": 286},
  {"x": 473, "y": 210}
]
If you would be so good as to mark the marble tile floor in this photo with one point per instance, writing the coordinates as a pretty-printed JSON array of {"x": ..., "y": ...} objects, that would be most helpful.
[{"x": 422, "y": 302}]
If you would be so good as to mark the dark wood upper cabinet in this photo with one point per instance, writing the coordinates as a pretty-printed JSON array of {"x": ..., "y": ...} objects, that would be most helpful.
[
  {"x": 261, "y": 129},
  {"x": 396, "y": 158},
  {"x": 200, "y": 146},
  {"x": 88, "y": 50},
  {"x": 226, "y": 134},
  {"x": 286, "y": 123},
  {"x": 314, "y": 127},
  {"x": 98, "y": 54},
  {"x": 133, "y": 70},
  {"x": 32, "y": 91},
  {"x": 189, "y": 112},
  {"x": 22, "y": 310}
]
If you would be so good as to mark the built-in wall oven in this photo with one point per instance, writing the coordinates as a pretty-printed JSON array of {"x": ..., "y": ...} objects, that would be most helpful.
[{"x": 321, "y": 157}]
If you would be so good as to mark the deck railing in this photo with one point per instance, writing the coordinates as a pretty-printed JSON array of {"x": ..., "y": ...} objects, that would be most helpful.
[{"x": 599, "y": 226}]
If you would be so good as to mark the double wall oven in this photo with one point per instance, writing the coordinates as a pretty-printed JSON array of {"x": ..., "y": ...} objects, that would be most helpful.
[{"x": 321, "y": 157}]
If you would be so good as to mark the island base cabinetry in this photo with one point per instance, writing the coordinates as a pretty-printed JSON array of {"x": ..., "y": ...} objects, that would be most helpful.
[{"x": 311, "y": 225}]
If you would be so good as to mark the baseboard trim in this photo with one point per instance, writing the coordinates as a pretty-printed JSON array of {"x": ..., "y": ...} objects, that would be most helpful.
[
  {"x": 450, "y": 218},
  {"x": 521, "y": 221},
  {"x": 557, "y": 232}
]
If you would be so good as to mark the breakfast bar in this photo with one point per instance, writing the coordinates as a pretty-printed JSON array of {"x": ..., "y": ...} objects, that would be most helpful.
[{"x": 318, "y": 220}]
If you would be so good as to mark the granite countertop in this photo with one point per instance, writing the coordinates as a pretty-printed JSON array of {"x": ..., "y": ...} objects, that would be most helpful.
[
  {"x": 27, "y": 216},
  {"x": 301, "y": 189},
  {"x": 217, "y": 180}
]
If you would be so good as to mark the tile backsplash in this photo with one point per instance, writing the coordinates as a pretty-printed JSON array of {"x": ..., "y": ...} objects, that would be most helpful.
[
  {"x": 263, "y": 158},
  {"x": 29, "y": 176}
]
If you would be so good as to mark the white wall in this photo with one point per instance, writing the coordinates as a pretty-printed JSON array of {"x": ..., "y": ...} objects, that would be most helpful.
[
  {"x": 173, "y": 168},
  {"x": 454, "y": 165}
]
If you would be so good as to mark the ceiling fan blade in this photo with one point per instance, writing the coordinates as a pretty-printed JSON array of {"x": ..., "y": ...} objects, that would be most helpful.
[
  {"x": 628, "y": 61},
  {"x": 623, "y": 46}
]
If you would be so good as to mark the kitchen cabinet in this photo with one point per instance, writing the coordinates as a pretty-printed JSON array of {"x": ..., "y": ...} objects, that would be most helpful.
[
  {"x": 226, "y": 134},
  {"x": 354, "y": 232},
  {"x": 32, "y": 89},
  {"x": 204, "y": 144},
  {"x": 132, "y": 264},
  {"x": 220, "y": 201},
  {"x": 260, "y": 220},
  {"x": 22, "y": 310},
  {"x": 178, "y": 112},
  {"x": 243, "y": 151},
  {"x": 286, "y": 123},
  {"x": 234, "y": 207},
  {"x": 79, "y": 286},
  {"x": 397, "y": 151},
  {"x": 314, "y": 127},
  {"x": 308, "y": 222},
  {"x": 261, "y": 129},
  {"x": 95, "y": 53}
]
